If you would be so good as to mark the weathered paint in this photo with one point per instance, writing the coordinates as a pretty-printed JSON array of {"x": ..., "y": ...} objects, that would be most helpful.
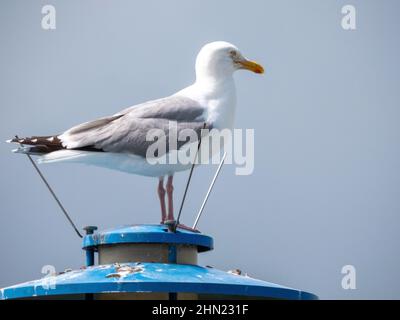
[
  {"x": 153, "y": 277},
  {"x": 148, "y": 233},
  {"x": 172, "y": 278}
]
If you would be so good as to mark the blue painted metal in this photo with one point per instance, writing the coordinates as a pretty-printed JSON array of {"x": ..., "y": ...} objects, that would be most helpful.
[
  {"x": 172, "y": 258},
  {"x": 152, "y": 277},
  {"x": 172, "y": 254},
  {"x": 90, "y": 251},
  {"x": 89, "y": 258},
  {"x": 169, "y": 277},
  {"x": 148, "y": 233}
]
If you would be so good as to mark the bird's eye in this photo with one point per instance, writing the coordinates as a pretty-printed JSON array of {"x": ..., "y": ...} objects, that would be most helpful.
[{"x": 233, "y": 53}]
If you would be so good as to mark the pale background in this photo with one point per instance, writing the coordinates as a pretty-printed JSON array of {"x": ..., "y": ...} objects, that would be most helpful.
[{"x": 325, "y": 190}]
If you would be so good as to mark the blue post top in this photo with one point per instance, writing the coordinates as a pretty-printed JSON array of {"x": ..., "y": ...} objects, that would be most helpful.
[
  {"x": 152, "y": 277},
  {"x": 141, "y": 277},
  {"x": 148, "y": 233}
]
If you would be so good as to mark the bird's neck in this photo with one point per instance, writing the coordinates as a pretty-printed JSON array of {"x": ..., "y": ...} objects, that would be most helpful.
[
  {"x": 219, "y": 95},
  {"x": 215, "y": 86}
]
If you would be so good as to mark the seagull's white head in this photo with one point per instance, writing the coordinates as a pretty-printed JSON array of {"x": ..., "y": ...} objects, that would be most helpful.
[{"x": 220, "y": 59}]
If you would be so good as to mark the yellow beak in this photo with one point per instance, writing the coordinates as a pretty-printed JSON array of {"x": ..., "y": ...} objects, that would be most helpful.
[{"x": 252, "y": 66}]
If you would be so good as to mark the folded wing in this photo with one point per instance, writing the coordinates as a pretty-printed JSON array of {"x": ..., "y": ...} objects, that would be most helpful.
[{"x": 126, "y": 131}]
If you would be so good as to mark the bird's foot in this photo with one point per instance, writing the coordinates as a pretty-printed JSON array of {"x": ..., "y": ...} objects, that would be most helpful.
[
  {"x": 184, "y": 227},
  {"x": 172, "y": 226}
]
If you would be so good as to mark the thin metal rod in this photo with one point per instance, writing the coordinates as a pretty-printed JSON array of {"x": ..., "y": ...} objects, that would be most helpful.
[
  {"x": 209, "y": 191},
  {"x": 53, "y": 194},
  {"x": 190, "y": 177}
]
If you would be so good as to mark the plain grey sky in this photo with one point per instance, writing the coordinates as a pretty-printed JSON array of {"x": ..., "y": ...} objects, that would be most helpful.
[{"x": 325, "y": 190}]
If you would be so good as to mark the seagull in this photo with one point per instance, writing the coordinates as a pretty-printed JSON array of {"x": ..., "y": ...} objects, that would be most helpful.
[{"x": 119, "y": 141}]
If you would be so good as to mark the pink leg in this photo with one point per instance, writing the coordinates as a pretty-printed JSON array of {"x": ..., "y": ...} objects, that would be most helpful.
[
  {"x": 170, "y": 189},
  {"x": 161, "y": 195}
]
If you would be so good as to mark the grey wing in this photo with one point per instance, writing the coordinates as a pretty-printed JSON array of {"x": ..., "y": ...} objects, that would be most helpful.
[
  {"x": 126, "y": 131},
  {"x": 171, "y": 108}
]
